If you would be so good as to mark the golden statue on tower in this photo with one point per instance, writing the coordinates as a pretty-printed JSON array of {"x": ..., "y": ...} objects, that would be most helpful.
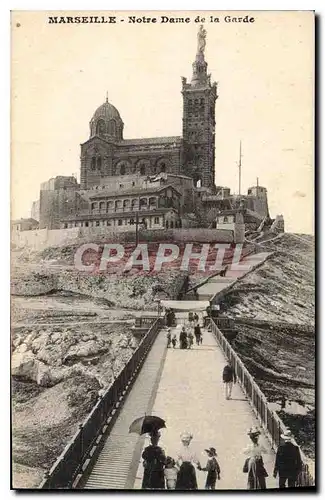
[{"x": 201, "y": 40}]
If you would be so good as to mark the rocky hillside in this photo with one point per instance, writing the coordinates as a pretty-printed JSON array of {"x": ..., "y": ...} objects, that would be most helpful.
[
  {"x": 71, "y": 334},
  {"x": 274, "y": 310}
]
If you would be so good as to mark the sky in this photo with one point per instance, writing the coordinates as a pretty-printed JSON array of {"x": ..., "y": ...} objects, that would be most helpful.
[{"x": 264, "y": 70}]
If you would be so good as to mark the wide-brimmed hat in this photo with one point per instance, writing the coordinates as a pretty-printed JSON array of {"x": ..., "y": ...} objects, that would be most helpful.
[
  {"x": 286, "y": 436},
  {"x": 186, "y": 436},
  {"x": 212, "y": 451},
  {"x": 254, "y": 431}
]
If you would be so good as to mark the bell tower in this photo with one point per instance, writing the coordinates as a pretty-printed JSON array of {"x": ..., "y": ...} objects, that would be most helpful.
[{"x": 199, "y": 98}]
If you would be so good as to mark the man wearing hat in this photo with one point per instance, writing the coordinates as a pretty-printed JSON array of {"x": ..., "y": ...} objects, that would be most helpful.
[
  {"x": 213, "y": 469},
  {"x": 288, "y": 462}
]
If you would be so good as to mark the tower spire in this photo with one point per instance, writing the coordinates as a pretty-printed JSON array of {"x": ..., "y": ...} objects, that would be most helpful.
[{"x": 106, "y": 96}]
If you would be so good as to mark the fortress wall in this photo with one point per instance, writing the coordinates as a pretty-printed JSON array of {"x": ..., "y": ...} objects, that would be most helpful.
[{"x": 42, "y": 238}]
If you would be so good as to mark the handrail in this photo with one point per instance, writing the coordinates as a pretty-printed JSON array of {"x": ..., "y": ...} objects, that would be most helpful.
[
  {"x": 269, "y": 420},
  {"x": 69, "y": 464}
]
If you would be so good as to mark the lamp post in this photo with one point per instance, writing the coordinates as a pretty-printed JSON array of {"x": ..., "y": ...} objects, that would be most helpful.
[{"x": 137, "y": 224}]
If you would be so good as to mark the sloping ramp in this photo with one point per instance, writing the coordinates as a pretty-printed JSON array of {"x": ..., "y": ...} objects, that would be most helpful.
[{"x": 118, "y": 460}]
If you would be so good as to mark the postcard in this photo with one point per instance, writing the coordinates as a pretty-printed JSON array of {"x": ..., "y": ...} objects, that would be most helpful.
[{"x": 162, "y": 248}]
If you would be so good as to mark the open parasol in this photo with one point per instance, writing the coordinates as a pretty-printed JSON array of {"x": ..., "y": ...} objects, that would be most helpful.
[{"x": 147, "y": 424}]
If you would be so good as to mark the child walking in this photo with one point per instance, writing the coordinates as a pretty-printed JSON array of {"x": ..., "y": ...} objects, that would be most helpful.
[
  {"x": 190, "y": 339},
  {"x": 174, "y": 340},
  {"x": 213, "y": 469},
  {"x": 170, "y": 473}
]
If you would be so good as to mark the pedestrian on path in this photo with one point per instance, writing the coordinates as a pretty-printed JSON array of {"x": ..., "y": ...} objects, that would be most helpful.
[
  {"x": 169, "y": 337},
  {"x": 254, "y": 464},
  {"x": 174, "y": 340},
  {"x": 186, "y": 458},
  {"x": 288, "y": 462},
  {"x": 196, "y": 318},
  {"x": 190, "y": 317},
  {"x": 197, "y": 333},
  {"x": 190, "y": 337},
  {"x": 229, "y": 378},
  {"x": 183, "y": 339},
  {"x": 154, "y": 460},
  {"x": 213, "y": 469},
  {"x": 170, "y": 473}
]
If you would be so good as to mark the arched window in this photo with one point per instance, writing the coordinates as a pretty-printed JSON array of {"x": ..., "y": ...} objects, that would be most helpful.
[
  {"x": 126, "y": 204},
  {"x": 100, "y": 127},
  {"x": 134, "y": 204},
  {"x": 112, "y": 127},
  {"x": 152, "y": 201},
  {"x": 94, "y": 205},
  {"x": 198, "y": 183},
  {"x": 171, "y": 224},
  {"x": 142, "y": 170},
  {"x": 225, "y": 219},
  {"x": 110, "y": 206},
  {"x": 99, "y": 162},
  {"x": 143, "y": 202},
  {"x": 161, "y": 165},
  {"x": 102, "y": 205},
  {"x": 122, "y": 169},
  {"x": 167, "y": 224},
  {"x": 93, "y": 163}
]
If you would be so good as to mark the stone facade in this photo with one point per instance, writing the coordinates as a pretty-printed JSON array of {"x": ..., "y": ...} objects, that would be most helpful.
[
  {"x": 109, "y": 162},
  {"x": 155, "y": 207},
  {"x": 107, "y": 154}
]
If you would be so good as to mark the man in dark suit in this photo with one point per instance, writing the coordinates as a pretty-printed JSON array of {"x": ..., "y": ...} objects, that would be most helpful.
[{"x": 288, "y": 462}]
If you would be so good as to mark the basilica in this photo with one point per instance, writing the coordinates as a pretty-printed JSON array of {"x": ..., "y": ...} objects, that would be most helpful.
[{"x": 159, "y": 181}]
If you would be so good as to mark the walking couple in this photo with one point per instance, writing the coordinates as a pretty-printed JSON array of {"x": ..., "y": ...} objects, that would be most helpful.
[
  {"x": 179, "y": 474},
  {"x": 287, "y": 465}
]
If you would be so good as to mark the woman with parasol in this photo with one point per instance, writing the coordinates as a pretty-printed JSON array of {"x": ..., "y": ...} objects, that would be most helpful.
[
  {"x": 154, "y": 461},
  {"x": 154, "y": 458}
]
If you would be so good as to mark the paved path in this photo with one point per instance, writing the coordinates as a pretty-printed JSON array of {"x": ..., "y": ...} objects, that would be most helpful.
[
  {"x": 216, "y": 284},
  {"x": 190, "y": 396}
]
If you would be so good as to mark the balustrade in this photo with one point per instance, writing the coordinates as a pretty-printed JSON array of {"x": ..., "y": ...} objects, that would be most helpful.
[
  {"x": 269, "y": 420},
  {"x": 69, "y": 464}
]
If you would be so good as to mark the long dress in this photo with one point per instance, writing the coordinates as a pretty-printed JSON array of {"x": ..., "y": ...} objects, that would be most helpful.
[
  {"x": 183, "y": 340},
  {"x": 256, "y": 471},
  {"x": 154, "y": 461},
  {"x": 186, "y": 477}
]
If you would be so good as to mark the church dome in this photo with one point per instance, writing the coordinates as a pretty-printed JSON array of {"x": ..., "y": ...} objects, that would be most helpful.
[
  {"x": 106, "y": 111},
  {"x": 107, "y": 122}
]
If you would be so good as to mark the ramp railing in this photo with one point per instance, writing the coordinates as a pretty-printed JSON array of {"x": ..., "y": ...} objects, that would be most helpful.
[
  {"x": 269, "y": 420},
  {"x": 69, "y": 464}
]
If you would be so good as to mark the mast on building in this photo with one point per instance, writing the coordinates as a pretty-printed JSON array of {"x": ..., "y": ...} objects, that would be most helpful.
[{"x": 239, "y": 168}]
